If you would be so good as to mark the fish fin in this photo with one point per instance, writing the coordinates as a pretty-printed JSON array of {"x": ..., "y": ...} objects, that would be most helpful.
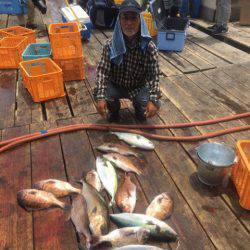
[{"x": 67, "y": 211}]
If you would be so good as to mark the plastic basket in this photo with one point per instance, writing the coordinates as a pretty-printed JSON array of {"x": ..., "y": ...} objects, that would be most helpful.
[
  {"x": 11, "y": 49},
  {"x": 73, "y": 69},
  {"x": 12, "y": 7},
  {"x": 241, "y": 173},
  {"x": 37, "y": 50},
  {"x": 21, "y": 31},
  {"x": 4, "y": 34},
  {"x": 65, "y": 40},
  {"x": 43, "y": 79},
  {"x": 150, "y": 23}
]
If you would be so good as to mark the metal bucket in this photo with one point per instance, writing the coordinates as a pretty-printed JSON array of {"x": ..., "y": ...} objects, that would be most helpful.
[{"x": 215, "y": 162}]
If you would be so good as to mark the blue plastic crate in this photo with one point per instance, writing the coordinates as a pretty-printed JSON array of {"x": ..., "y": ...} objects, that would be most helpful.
[
  {"x": 36, "y": 50},
  {"x": 14, "y": 7}
]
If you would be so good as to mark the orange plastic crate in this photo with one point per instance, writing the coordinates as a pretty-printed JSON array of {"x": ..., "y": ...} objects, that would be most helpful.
[
  {"x": 43, "y": 79},
  {"x": 73, "y": 69},
  {"x": 21, "y": 31},
  {"x": 241, "y": 173},
  {"x": 150, "y": 24},
  {"x": 11, "y": 49},
  {"x": 65, "y": 39},
  {"x": 4, "y": 34}
]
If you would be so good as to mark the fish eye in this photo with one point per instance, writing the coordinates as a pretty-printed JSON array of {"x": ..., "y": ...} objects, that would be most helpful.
[
  {"x": 115, "y": 158},
  {"x": 33, "y": 192}
]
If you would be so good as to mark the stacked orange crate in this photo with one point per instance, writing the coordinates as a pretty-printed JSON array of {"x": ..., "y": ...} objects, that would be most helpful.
[
  {"x": 20, "y": 31},
  {"x": 11, "y": 49},
  {"x": 65, "y": 39}
]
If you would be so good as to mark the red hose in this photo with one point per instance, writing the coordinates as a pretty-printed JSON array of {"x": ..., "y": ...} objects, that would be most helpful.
[
  {"x": 141, "y": 126},
  {"x": 8, "y": 144}
]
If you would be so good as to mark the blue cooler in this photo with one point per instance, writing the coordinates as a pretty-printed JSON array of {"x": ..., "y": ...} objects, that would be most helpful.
[
  {"x": 172, "y": 31},
  {"x": 13, "y": 7},
  {"x": 68, "y": 16}
]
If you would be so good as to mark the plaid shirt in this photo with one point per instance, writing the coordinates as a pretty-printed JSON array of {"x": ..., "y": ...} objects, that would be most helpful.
[{"x": 137, "y": 69}]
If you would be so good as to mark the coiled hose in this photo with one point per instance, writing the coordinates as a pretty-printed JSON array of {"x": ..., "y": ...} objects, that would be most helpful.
[{"x": 11, "y": 143}]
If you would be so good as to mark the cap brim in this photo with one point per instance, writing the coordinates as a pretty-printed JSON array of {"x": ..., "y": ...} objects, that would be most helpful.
[{"x": 130, "y": 9}]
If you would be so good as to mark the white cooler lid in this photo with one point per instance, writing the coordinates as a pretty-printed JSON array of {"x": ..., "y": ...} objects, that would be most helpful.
[{"x": 80, "y": 13}]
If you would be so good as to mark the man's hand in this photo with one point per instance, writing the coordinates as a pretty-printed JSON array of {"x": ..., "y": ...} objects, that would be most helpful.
[
  {"x": 101, "y": 108},
  {"x": 151, "y": 109}
]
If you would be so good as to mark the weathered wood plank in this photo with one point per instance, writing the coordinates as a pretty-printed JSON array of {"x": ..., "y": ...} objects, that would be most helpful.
[
  {"x": 51, "y": 230},
  {"x": 208, "y": 105},
  {"x": 235, "y": 35},
  {"x": 195, "y": 60},
  {"x": 221, "y": 95},
  {"x": 216, "y": 47},
  {"x": 16, "y": 229},
  {"x": 57, "y": 109},
  {"x": 27, "y": 111},
  {"x": 239, "y": 74},
  {"x": 80, "y": 98},
  {"x": 180, "y": 63},
  {"x": 7, "y": 97},
  {"x": 201, "y": 52},
  {"x": 225, "y": 81}
]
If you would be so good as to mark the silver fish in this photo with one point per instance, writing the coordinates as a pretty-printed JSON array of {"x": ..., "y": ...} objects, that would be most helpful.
[
  {"x": 138, "y": 247},
  {"x": 135, "y": 140},
  {"x": 123, "y": 236},
  {"x": 161, "y": 207},
  {"x": 118, "y": 148},
  {"x": 108, "y": 176},
  {"x": 97, "y": 210},
  {"x": 79, "y": 217},
  {"x": 93, "y": 179},
  {"x": 56, "y": 187},
  {"x": 32, "y": 199},
  {"x": 161, "y": 231},
  {"x": 122, "y": 162},
  {"x": 126, "y": 195}
]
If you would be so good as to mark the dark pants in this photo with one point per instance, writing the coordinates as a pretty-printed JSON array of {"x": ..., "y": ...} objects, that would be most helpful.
[{"x": 115, "y": 92}]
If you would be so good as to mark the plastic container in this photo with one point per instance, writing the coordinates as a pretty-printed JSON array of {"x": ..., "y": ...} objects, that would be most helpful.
[
  {"x": 67, "y": 16},
  {"x": 12, "y": 7},
  {"x": 241, "y": 173},
  {"x": 65, "y": 41},
  {"x": 21, "y": 31},
  {"x": 73, "y": 69},
  {"x": 43, "y": 79},
  {"x": 37, "y": 50},
  {"x": 4, "y": 34},
  {"x": 216, "y": 160},
  {"x": 172, "y": 31},
  {"x": 11, "y": 49},
  {"x": 150, "y": 23}
]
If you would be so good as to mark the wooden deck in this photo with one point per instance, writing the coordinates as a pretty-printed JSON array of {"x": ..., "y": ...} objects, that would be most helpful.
[
  {"x": 209, "y": 79},
  {"x": 238, "y": 35}
]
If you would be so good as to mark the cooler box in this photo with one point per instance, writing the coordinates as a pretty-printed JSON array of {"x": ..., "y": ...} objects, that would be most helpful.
[
  {"x": 171, "y": 31},
  {"x": 68, "y": 16},
  {"x": 13, "y": 7}
]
